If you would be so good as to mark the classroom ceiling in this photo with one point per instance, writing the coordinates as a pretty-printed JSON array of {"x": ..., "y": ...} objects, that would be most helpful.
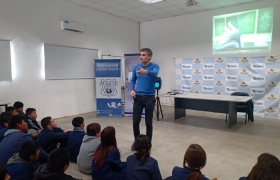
[{"x": 140, "y": 12}]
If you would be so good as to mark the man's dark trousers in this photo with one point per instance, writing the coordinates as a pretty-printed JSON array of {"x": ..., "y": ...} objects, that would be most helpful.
[{"x": 140, "y": 102}]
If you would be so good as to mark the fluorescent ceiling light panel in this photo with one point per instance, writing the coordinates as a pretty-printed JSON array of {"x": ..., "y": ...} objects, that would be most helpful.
[{"x": 150, "y": 1}]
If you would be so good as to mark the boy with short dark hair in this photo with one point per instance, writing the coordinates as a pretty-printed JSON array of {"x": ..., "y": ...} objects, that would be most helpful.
[
  {"x": 19, "y": 107},
  {"x": 4, "y": 119},
  {"x": 23, "y": 165},
  {"x": 12, "y": 110},
  {"x": 76, "y": 137},
  {"x": 33, "y": 127},
  {"x": 58, "y": 162}
]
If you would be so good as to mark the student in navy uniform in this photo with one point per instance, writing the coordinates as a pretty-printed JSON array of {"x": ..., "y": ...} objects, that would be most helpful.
[
  {"x": 140, "y": 165},
  {"x": 76, "y": 137},
  {"x": 107, "y": 164},
  {"x": 88, "y": 148},
  {"x": 267, "y": 164},
  {"x": 23, "y": 165},
  {"x": 49, "y": 139},
  {"x": 194, "y": 161},
  {"x": 19, "y": 107},
  {"x": 3, "y": 173},
  {"x": 16, "y": 134},
  {"x": 12, "y": 110},
  {"x": 4, "y": 119},
  {"x": 33, "y": 127},
  {"x": 142, "y": 90},
  {"x": 59, "y": 161}
]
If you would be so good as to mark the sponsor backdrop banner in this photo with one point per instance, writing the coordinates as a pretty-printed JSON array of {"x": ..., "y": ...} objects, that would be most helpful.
[
  {"x": 108, "y": 87},
  {"x": 130, "y": 61},
  {"x": 257, "y": 76}
]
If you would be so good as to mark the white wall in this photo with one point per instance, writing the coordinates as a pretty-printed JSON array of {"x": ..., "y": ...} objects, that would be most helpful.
[
  {"x": 29, "y": 24},
  {"x": 191, "y": 36}
]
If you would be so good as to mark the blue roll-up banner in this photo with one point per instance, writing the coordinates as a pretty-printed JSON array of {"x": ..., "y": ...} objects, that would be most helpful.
[{"x": 108, "y": 87}]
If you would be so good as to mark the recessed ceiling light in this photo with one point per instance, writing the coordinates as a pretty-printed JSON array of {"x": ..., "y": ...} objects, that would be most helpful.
[{"x": 150, "y": 1}]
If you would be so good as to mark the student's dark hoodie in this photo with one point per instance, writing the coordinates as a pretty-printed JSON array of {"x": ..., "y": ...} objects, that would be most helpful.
[{"x": 43, "y": 173}]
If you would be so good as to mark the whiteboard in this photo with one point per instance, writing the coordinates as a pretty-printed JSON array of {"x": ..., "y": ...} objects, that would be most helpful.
[
  {"x": 5, "y": 61},
  {"x": 63, "y": 62}
]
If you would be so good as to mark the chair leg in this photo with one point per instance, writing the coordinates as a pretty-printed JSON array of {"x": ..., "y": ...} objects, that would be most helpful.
[
  {"x": 245, "y": 118},
  {"x": 226, "y": 117}
]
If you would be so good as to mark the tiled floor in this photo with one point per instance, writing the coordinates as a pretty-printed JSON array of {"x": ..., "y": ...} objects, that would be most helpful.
[{"x": 231, "y": 153}]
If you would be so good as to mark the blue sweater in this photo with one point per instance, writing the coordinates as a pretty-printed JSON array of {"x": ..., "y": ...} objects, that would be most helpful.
[
  {"x": 19, "y": 169},
  {"x": 112, "y": 169},
  {"x": 32, "y": 124},
  {"x": 10, "y": 145},
  {"x": 75, "y": 141},
  {"x": 145, "y": 83},
  {"x": 2, "y": 132},
  {"x": 181, "y": 173},
  {"x": 48, "y": 139},
  {"x": 148, "y": 171}
]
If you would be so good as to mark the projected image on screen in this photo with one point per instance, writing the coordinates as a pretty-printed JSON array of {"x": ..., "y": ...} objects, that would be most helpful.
[{"x": 243, "y": 32}]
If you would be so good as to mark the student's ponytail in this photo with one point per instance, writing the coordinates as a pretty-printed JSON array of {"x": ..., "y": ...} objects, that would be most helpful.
[
  {"x": 195, "y": 175},
  {"x": 142, "y": 146},
  {"x": 142, "y": 155}
]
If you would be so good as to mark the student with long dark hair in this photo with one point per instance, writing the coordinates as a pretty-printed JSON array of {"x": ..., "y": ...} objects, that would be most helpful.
[
  {"x": 106, "y": 164},
  {"x": 140, "y": 165},
  {"x": 267, "y": 167},
  {"x": 194, "y": 160}
]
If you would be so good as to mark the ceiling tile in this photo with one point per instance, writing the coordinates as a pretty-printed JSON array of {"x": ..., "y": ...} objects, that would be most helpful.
[
  {"x": 146, "y": 8},
  {"x": 164, "y": 15},
  {"x": 96, "y": 6},
  {"x": 123, "y": 1},
  {"x": 178, "y": 12},
  {"x": 81, "y": 2},
  {"x": 95, "y": 0},
  {"x": 173, "y": 2},
  {"x": 108, "y": 3},
  {"x": 132, "y": 11},
  {"x": 161, "y": 4},
  {"x": 228, "y": 3},
  {"x": 110, "y": 10},
  {"x": 135, "y": 4},
  {"x": 210, "y": 6},
  {"x": 121, "y": 7},
  {"x": 181, "y": 6},
  {"x": 143, "y": 15},
  {"x": 170, "y": 8},
  {"x": 121, "y": 14},
  {"x": 156, "y": 11}
]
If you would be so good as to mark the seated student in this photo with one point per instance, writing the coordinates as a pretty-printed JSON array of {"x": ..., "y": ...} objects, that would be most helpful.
[
  {"x": 12, "y": 110},
  {"x": 23, "y": 165},
  {"x": 3, "y": 173},
  {"x": 259, "y": 171},
  {"x": 48, "y": 139},
  {"x": 16, "y": 134},
  {"x": 4, "y": 119},
  {"x": 140, "y": 165},
  {"x": 33, "y": 127},
  {"x": 19, "y": 107},
  {"x": 58, "y": 162},
  {"x": 106, "y": 162},
  {"x": 194, "y": 161},
  {"x": 76, "y": 137},
  {"x": 90, "y": 143}
]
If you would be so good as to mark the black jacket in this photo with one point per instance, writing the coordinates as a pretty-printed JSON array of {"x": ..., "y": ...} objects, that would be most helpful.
[
  {"x": 249, "y": 104},
  {"x": 44, "y": 174}
]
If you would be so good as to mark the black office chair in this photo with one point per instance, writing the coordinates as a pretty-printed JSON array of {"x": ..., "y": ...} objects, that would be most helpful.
[{"x": 241, "y": 107}]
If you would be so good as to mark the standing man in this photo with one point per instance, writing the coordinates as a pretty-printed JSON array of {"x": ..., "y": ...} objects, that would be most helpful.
[{"x": 142, "y": 90}]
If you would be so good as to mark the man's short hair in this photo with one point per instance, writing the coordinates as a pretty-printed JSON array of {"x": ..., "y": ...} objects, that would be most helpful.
[
  {"x": 58, "y": 159},
  {"x": 93, "y": 129},
  {"x": 14, "y": 121},
  {"x": 10, "y": 109},
  {"x": 148, "y": 50},
  {"x": 27, "y": 149},
  {"x": 18, "y": 104},
  {"x": 29, "y": 111},
  {"x": 45, "y": 122},
  {"x": 77, "y": 121},
  {"x": 4, "y": 118}
]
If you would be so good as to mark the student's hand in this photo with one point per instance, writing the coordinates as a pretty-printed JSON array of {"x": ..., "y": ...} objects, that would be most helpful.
[
  {"x": 65, "y": 131},
  {"x": 38, "y": 132},
  {"x": 142, "y": 71},
  {"x": 215, "y": 179},
  {"x": 133, "y": 94}
]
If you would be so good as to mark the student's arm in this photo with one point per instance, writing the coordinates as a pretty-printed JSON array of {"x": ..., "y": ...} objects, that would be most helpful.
[
  {"x": 114, "y": 159},
  {"x": 59, "y": 136},
  {"x": 156, "y": 172},
  {"x": 154, "y": 72},
  {"x": 133, "y": 79}
]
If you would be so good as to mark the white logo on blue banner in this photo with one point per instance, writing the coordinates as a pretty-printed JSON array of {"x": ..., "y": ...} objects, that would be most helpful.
[
  {"x": 232, "y": 66},
  {"x": 259, "y": 103},
  {"x": 231, "y": 89},
  {"x": 208, "y": 77},
  {"x": 257, "y": 90},
  {"x": 208, "y": 88},
  {"x": 186, "y": 66},
  {"x": 258, "y": 66},
  {"x": 231, "y": 78},
  {"x": 186, "y": 77},
  {"x": 257, "y": 78},
  {"x": 208, "y": 66},
  {"x": 108, "y": 87}
]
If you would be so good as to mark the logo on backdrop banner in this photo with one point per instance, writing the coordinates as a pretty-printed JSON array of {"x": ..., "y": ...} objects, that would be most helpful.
[
  {"x": 232, "y": 65},
  {"x": 197, "y": 61},
  {"x": 114, "y": 105},
  {"x": 272, "y": 72},
  {"x": 271, "y": 110},
  {"x": 219, "y": 93},
  {"x": 208, "y": 77},
  {"x": 231, "y": 89},
  {"x": 186, "y": 77},
  {"x": 257, "y": 78},
  {"x": 259, "y": 103},
  {"x": 186, "y": 87},
  {"x": 244, "y": 84},
  {"x": 258, "y": 66},
  {"x": 220, "y": 60},
  {"x": 244, "y": 72},
  {"x": 197, "y": 92},
  {"x": 272, "y": 97},
  {"x": 244, "y": 60},
  {"x": 208, "y": 66},
  {"x": 197, "y": 71},
  {"x": 271, "y": 59},
  {"x": 257, "y": 90},
  {"x": 108, "y": 87},
  {"x": 208, "y": 88},
  {"x": 197, "y": 82},
  {"x": 219, "y": 83},
  {"x": 271, "y": 84},
  {"x": 220, "y": 71},
  {"x": 186, "y": 66},
  {"x": 231, "y": 78}
]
